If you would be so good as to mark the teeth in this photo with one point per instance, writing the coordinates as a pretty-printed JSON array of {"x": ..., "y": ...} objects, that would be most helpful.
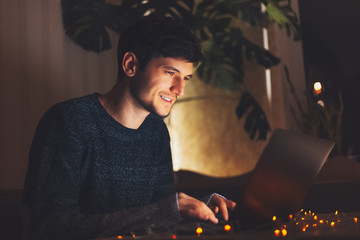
[{"x": 167, "y": 99}]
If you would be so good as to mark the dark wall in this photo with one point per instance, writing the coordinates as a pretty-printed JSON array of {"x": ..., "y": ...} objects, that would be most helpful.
[{"x": 331, "y": 43}]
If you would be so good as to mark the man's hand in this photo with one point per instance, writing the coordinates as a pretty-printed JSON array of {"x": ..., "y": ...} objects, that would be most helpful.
[
  {"x": 218, "y": 203},
  {"x": 192, "y": 208}
]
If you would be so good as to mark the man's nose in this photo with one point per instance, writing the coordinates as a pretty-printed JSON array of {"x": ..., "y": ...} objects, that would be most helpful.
[{"x": 178, "y": 86}]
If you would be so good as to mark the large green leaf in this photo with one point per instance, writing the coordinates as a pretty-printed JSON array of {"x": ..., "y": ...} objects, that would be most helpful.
[{"x": 255, "y": 122}]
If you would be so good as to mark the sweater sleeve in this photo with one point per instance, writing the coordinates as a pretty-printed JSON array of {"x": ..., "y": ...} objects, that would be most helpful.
[{"x": 53, "y": 187}]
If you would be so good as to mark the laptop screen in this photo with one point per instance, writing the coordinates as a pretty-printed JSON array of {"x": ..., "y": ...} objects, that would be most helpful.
[{"x": 282, "y": 177}]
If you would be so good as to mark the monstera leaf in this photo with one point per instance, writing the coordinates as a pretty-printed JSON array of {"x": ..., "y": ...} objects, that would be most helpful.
[
  {"x": 214, "y": 23},
  {"x": 256, "y": 121}
]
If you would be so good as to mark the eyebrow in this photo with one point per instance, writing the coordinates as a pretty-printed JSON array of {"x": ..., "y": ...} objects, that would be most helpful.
[{"x": 176, "y": 70}]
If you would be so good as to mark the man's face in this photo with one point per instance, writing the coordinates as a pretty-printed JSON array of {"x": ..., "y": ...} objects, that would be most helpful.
[{"x": 157, "y": 87}]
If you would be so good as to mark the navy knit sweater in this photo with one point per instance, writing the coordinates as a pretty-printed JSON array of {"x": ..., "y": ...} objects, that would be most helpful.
[{"x": 89, "y": 176}]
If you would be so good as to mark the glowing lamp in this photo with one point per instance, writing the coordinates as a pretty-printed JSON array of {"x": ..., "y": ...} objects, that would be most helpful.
[
  {"x": 274, "y": 218},
  {"x": 283, "y": 232},
  {"x": 227, "y": 227},
  {"x": 321, "y": 221},
  {"x": 332, "y": 224},
  {"x": 290, "y": 216},
  {"x": 317, "y": 88},
  {"x": 277, "y": 232},
  {"x": 304, "y": 229},
  {"x": 336, "y": 212},
  {"x": 315, "y": 217},
  {"x": 355, "y": 220}
]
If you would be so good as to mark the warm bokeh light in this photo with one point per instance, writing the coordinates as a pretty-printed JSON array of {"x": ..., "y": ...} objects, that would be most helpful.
[
  {"x": 355, "y": 220},
  {"x": 317, "y": 88},
  {"x": 227, "y": 227},
  {"x": 274, "y": 218},
  {"x": 315, "y": 217},
  {"x": 332, "y": 224},
  {"x": 277, "y": 232},
  {"x": 336, "y": 212},
  {"x": 321, "y": 103},
  {"x": 304, "y": 229},
  {"x": 290, "y": 216},
  {"x": 283, "y": 232},
  {"x": 119, "y": 237},
  {"x": 174, "y": 236},
  {"x": 199, "y": 231},
  {"x": 321, "y": 221}
]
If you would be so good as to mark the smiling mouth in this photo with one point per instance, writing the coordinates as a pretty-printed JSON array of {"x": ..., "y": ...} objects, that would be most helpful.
[{"x": 167, "y": 99}]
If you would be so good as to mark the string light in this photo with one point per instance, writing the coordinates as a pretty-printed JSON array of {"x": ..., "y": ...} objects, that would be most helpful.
[
  {"x": 119, "y": 237},
  {"x": 274, "y": 218},
  {"x": 199, "y": 231},
  {"x": 227, "y": 227},
  {"x": 309, "y": 221},
  {"x": 174, "y": 236}
]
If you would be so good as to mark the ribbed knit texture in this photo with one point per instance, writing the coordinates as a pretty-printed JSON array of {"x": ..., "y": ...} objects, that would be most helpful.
[{"x": 89, "y": 176}]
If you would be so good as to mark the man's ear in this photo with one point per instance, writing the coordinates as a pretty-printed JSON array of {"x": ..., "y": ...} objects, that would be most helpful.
[{"x": 129, "y": 64}]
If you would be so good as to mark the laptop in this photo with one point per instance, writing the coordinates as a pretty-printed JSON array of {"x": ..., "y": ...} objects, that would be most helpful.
[{"x": 281, "y": 179}]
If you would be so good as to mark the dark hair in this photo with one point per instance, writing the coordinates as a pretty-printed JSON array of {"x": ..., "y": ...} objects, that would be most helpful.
[{"x": 158, "y": 36}]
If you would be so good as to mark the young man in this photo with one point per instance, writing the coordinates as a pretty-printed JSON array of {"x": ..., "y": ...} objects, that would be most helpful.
[{"x": 101, "y": 165}]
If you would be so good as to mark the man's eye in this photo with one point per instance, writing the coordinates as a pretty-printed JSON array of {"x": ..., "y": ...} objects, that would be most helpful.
[
  {"x": 170, "y": 73},
  {"x": 186, "y": 78}
]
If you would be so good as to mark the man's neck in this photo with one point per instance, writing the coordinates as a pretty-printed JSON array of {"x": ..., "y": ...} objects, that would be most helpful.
[{"x": 120, "y": 105}]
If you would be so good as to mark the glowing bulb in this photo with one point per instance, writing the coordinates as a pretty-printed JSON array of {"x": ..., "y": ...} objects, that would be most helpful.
[
  {"x": 304, "y": 229},
  {"x": 290, "y": 216},
  {"x": 199, "y": 231},
  {"x": 174, "y": 236},
  {"x": 315, "y": 217},
  {"x": 277, "y": 232},
  {"x": 321, "y": 221},
  {"x": 355, "y": 220},
  {"x": 317, "y": 88},
  {"x": 227, "y": 227},
  {"x": 283, "y": 232},
  {"x": 332, "y": 224},
  {"x": 119, "y": 237},
  {"x": 274, "y": 218}
]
